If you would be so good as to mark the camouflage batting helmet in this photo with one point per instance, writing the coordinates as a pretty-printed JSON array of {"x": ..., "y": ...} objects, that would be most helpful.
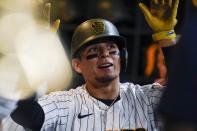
[{"x": 97, "y": 30}]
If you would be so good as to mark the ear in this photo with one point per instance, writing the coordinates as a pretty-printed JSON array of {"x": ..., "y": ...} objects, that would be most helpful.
[{"x": 76, "y": 65}]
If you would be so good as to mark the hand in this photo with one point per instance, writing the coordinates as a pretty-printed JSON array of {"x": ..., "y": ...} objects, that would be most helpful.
[
  {"x": 162, "y": 14},
  {"x": 32, "y": 59},
  {"x": 46, "y": 16},
  {"x": 40, "y": 9},
  {"x": 161, "y": 17},
  {"x": 42, "y": 13}
]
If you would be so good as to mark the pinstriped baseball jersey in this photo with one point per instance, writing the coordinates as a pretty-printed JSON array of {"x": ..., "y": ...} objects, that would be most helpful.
[
  {"x": 76, "y": 110},
  {"x": 6, "y": 107}
]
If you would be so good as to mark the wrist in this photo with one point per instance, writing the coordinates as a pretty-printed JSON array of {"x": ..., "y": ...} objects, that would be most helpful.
[
  {"x": 164, "y": 35},
  {"x": 166, "y": 43}
]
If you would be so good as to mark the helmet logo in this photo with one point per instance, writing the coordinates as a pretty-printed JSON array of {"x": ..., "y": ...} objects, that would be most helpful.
[{"x": 98, "y": 27}]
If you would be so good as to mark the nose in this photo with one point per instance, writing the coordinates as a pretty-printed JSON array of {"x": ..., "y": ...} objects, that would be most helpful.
[{"x": 104, "y": 52}]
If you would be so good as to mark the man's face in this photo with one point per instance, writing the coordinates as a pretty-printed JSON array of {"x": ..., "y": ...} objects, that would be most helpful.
[
  {"x": 99, "y": 62},
  {"x": 194, "y": 2}
]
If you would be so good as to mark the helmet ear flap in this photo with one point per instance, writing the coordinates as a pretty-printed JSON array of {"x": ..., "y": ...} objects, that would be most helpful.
[{"x": 124, "y": 59}]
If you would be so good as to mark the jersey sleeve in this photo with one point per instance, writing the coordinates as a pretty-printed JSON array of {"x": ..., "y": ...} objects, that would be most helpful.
[
  {"x": 58, "y": 109},
  {"x": 8, "y": 124},
  {"x": 6, "y": 107},
  {"x": 153, "y": 93}
]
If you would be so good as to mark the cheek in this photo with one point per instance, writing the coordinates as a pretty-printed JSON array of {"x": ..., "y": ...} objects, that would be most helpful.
[
  {"x": 117, "y": 63},
  {"x": 88, "y": 66}
]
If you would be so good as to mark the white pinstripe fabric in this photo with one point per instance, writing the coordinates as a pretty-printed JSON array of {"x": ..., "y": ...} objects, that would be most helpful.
[
  {"x": 133, "y": 110},
  {"x": 6, "y": 106}
]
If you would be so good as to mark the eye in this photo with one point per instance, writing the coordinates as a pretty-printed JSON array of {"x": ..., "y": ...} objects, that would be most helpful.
[
  {"x": 92, "y": 50},
  {"x": 92, "y": 53},
  {"x": 111, "y": 46}
]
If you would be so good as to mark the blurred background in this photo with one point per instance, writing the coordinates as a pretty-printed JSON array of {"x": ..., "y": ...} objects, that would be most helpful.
[{"x": 145, "y": 63}]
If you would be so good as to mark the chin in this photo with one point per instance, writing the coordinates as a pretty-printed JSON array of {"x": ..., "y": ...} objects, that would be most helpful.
[{"x": 106, "y": 79}]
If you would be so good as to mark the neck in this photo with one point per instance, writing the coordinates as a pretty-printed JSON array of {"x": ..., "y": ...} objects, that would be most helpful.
[{"x": 104, "y": 90}]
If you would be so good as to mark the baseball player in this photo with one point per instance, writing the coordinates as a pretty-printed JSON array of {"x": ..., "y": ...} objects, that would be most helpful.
[{"x": 102, "y": 103}]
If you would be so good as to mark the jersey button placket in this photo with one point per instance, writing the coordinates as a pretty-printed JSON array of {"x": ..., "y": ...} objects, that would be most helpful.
[{"x": 105, "y": 119}]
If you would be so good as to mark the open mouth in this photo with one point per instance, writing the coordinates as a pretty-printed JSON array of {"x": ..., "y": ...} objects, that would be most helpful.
[{"x": 105, "y": 65}]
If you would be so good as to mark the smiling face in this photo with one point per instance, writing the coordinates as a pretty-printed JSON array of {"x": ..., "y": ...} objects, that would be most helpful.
[{"x": 99, "y": 63}]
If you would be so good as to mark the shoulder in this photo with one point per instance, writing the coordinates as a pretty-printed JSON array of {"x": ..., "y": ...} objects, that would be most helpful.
[
  {"x": 143, "y": 90},
  {"x": 55, "y": 98},
  {"x": 59, "y": 106},
  {"x": 137, "y": 87},
  {"x": 61, "y": 94}
]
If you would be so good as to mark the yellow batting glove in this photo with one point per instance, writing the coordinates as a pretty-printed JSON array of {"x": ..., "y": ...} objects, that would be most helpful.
[{"x": 161, "y": 17}]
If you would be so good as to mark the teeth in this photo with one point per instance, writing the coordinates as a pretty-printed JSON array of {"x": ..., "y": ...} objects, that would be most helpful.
[{"x": 105, "y": 65}]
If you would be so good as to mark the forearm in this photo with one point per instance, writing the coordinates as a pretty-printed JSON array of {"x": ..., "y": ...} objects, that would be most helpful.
[
  {"x": 29, "y": 114},
  {"x": 167, "y": 47},
  {"x": 167, "y": 50}
]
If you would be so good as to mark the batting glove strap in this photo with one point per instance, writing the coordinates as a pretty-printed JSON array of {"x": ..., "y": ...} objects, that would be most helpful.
[{"x": 164, "y": 35}]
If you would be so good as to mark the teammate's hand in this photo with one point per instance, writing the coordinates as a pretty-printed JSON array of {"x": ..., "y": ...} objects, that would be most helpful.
[
  {"x": 32, "y": 58},
  {"x": 161, "y": 17},
  {"x": 46, "y": 15},
  {"x": 42, "y": 14}
]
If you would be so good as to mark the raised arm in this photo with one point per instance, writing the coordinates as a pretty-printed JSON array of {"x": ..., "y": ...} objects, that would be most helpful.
[
  {"x": 161, "y": 17},
  {"x": 28, "y": 111}
]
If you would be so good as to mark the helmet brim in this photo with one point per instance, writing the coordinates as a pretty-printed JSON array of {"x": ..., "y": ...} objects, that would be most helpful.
[{"x": 119, "y": 40}]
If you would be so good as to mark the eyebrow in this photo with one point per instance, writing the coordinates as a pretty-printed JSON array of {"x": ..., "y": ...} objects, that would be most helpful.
[
  {"x": 88, "y": 49},
  {"x": 96, "y": 46}
]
